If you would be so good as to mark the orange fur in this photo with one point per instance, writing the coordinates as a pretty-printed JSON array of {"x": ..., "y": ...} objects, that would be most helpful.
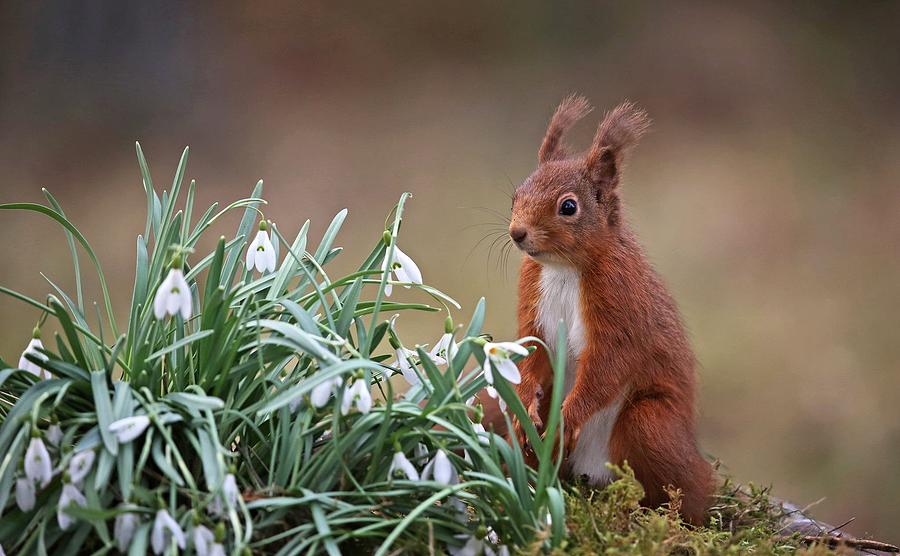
[{"x": 636, "y": 347}]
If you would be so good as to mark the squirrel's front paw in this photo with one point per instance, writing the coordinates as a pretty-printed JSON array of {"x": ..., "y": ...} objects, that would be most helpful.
[
  {"x": 572, "y": 428},
  {"x": 570, "y": 439},
  {"x": 534, "y": 410},
  {"x": 519, "y": 433},
  {"x": 534, "y": 413}
]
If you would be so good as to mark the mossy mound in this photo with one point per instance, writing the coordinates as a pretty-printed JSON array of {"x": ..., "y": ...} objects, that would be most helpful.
[{"x": 743, "y": 520}]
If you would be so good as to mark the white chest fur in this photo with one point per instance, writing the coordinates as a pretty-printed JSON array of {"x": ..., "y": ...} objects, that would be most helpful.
[{"x": 561, "y": 299}]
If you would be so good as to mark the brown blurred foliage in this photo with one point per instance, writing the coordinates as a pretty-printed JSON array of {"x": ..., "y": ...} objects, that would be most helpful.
[{"x": 767, "y": 193}]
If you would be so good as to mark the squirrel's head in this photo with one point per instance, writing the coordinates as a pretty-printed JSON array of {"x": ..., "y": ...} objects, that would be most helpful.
[{"x": 570, "y": 202}]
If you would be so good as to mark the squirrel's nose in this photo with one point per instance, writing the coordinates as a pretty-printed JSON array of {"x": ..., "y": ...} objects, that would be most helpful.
[{"x": 518, "y": 234}]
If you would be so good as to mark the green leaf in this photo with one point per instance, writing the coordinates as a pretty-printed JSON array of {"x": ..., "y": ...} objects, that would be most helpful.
[
  {"x": 189, "y": 339},
  {"x": 103, "y": 408},
  {"x": 289, "y": 264},
  {"x": 70, "y": 239},
  {"x": 196, "y": 402},
  {"x": 330, "y": 235},
  {"x": 244, "y": 229},
  {"x": 64, "y": 222}
]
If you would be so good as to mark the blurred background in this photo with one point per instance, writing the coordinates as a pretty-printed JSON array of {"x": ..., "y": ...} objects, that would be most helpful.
[{"x": 767, "y": 194}]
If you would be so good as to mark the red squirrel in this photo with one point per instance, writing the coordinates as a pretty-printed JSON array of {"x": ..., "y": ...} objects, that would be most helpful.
[{"x": 629, "y": 382}]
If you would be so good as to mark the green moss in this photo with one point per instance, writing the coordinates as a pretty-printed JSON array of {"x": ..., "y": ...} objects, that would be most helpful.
[{"x": 743, "y": 520}]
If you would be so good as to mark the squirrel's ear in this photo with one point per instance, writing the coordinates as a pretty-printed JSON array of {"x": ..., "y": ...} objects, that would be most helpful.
[
  {"x": 570, "y": 110},
  {"x": 619, "y": 131}
]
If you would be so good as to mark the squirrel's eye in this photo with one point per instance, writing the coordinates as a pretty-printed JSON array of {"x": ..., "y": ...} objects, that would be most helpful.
[{"x": 568, "y": 207}]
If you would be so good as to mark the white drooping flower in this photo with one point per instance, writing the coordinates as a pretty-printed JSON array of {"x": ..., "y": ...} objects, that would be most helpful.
[
  {"x": 70, "y": 495},
  {"x": 357, "y": 394},
  {"x": 261, "y": 252},
  {"x": 322, "y": 393},
  {"x": 216, "y": 549},
  {"x": 166, "y": 531},
  {"x": 173, "y": 296},
  {"x": 38, "y": 468},
  {"x": 482, "y": 434},
  {"x": 445, "y": 348},
  {"x": 497, "y": 356},
  {"x": 406, "y": 368},
  {"x": 124, "y": 528},
  {"x": 202, "y": 538},
  {"x": 441, "y": 469},
  {"x": 492, "y": 392},
  {"x": 25, "y": 494},
  {"x": 402, "y": 267},
  {"x": 400, "y": 463},
  {"x": 473, "y": 546},
  {"x": 32, "y": 349},
  {"x": 228, "y": 498},
  {"x": 80, "y": 466},
  {"x": 54, "y": 434},
  {"x": 230, "y": 490},
  {"x": 129, "y": 428}
]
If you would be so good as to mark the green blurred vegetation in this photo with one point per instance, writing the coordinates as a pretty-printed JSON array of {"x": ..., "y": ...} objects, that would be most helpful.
[{"x": 767, "y": 193}]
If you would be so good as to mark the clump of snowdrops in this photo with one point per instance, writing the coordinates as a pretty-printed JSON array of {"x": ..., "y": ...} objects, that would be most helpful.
[{"x": 245, "y": 406}]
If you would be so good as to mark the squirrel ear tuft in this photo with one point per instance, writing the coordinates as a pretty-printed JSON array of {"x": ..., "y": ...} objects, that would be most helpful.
[
  {"x": 617, "y": 134},
  {"x": 571, "y": 109}
]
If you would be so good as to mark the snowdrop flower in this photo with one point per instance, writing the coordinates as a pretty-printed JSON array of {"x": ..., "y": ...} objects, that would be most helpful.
[
  {"x": 322, "y": 393},
  {"x": 461, "y": 515},
  {"x": 261, "y": 252},
  {"x": 492, "y": 392},
  {"x": 54, "y": 434},
  {"x": 230, "y": 490},
  {"x": 403, "y": 268},
  {"x": 203, "y": 538},
  {"x": 216, "y": 549},
  {"x": 32, "y": 349},
  {"x": 404, "y": 360},
  {"x": 129, "y": 428},
  {"x": 400, "y": 463},
  {"x": 441, "y": 469},
  {"x": 497, "y": 356},
  {"x": 445, "y": 348},
  {"x": 37, "y": 462},
  {"x": 166, "y": 531},
  {"x": 406, "y": 368},
  {"x": 482, "y": 434},
  {"x": 173, "y": 296},
  {"x": 1, "y": 551},
  {"x": 80, "y": 466},
  {"x": 358, "y": 394},
  {"x": 125, "y": 526},
  {"x": 473, "y": 546},
  {"x": 228, "y": 498},
  {"x": 25, "y": 495},
  {"x": 70, "y": 495}
]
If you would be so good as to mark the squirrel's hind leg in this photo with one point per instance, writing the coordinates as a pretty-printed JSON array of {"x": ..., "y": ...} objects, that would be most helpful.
[{"x": 660, "y": 448}]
